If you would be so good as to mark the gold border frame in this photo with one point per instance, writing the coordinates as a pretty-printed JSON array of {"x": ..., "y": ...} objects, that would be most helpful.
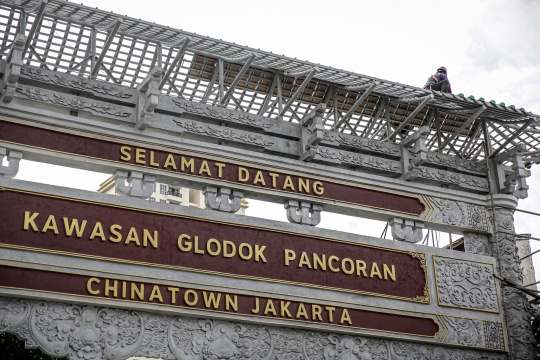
[
  {"x": 425, "y": 299},
  {"x": 498, "y": 311},
  {"x": 285, "y": 171},
  {"x": 226, "y": 312}
]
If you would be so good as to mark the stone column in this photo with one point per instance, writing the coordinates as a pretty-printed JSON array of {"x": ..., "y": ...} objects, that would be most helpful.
[{"x": 516, "y": 305}]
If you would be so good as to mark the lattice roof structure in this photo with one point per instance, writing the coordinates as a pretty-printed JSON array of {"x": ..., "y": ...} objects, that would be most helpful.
[{"x": 92, "y": 43}]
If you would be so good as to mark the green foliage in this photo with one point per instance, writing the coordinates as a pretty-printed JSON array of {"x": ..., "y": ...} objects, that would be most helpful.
[{"x": 13, "y": 349}]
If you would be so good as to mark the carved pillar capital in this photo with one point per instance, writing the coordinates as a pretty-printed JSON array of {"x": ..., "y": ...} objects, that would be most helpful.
[
  {"x": 138, "y": 184},
  {"x": 222, "y": 198},
  {"x": 406, "y": 230}
]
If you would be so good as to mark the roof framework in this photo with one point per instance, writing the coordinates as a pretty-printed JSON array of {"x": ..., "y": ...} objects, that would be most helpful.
[{"x": 92, "y": 43}]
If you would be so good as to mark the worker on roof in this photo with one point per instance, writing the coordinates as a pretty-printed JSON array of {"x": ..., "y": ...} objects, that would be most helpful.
[{"x": 439, "y": 81}]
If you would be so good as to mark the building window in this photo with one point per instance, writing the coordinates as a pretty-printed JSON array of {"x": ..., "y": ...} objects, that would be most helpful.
[
  {"x": 163, "y": 201},
  {"x": 152, "y": 199},
  {"x": 154, "y": 187},
  {"x": 174, "y": 192},
  {"x": 163, "y": 189}
]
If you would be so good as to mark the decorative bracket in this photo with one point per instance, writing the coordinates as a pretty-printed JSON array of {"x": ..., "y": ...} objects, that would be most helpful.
[
  {"x": 512, "y": 180},
  {"x": 415, "y": 144},
  {"x": 406, "y": 230},
  {"x": 313, "y": 122},
  {"x": 303, "y": 212},
  {"x": 14, "y": 63},
  {"x": 13, "y": 157},
  {"x": 148, "y": 98},
  {"x": 139, "y": 185},
  {"x": 222, "y": 198}
]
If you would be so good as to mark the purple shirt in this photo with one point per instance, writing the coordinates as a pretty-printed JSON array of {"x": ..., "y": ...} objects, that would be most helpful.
[{"x": 443, "y": 76}]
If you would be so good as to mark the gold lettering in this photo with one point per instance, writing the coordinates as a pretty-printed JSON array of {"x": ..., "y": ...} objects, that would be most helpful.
[
  {"x": 98, "y": 231},
  {"x": 153, "y": 239},
  {"x": 227, "y": 253},
  {"x": 173, "y": 291},
  {"x": 256, "y": 309},
  {"x": 89, "y": 286},
  {"x": 284, "y": 306},
  {"x": 117, "y": 236},
  {"x": 318, "y": 188},
  {"x": 360, "y": 267},
  {"x": 196, "y": 249},
  {"x": 274, "y": 177},
  {"x": 388, "y": 272},
  {"x": 259, "y": 253},
  {"x": 304, "y": 260},
  {"x": 195, "y": 297},
  {"x": 156, "y": 294},
  {"x": 375, "y": 271},
  {"x": 319, "y": 261},
  {"x": 243, "y": 174},
  {"x": 138, "y": 291},
  {"x": 74, "y": 226},
  {"x": 124, "y": 289},
  {"x": 132, "y": 236},
  {"x": 152, "y": 162},
  {"x": 209, "y": 247},
  {"x": 330, "y": 259},
  {"x": 259, "y": 178},
  {"x": 205, "y": 168},
  {"x": 113, "y": 288},
  {"x": 125, "y": 151},
  {"x": 302, "y": 312},
  {"x": 290, "y": 255},
  {"x": 169, "y": 162},
  {"x": 190, "y": 163},
  {"x": 211, "y": 299},
  {"x": 345, "y": 317},
  {"x": 231, "y": 303},
  {"x": 140, "y": 156},
  {"x": 344, "y": 267},
  {"x": 288, "y": 183},
  {"x": 241, "y": 253},
  {"x": 303, "y": 185},
  {"x": 29, "y": 221},
  {"x": 181, "y": 246},
  {"x": 270, "y": 308},
  {"x": 50, "y": 224},
  {"x": 220, "y": 167},
  {"x": 316, "y": 312},
  {"x": 330, "y": 310}
]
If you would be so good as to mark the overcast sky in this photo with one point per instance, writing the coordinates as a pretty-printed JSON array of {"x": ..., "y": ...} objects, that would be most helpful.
[{"x": 490, "y": 48}]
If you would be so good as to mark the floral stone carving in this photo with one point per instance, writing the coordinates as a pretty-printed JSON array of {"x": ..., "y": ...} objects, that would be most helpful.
[
  {"x": 466, "y": 284},
  {"x": 92, "y": 333}
]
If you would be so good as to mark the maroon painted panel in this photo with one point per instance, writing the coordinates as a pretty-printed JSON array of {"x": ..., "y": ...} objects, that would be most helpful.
[
  {"x": 410, "y": 277},
  {"x": 107, "y": 150},
  {"x": 72, "y": 284}
]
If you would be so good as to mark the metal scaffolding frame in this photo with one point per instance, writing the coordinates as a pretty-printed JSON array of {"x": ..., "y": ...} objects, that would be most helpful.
[{"x": 71, "y": 38}]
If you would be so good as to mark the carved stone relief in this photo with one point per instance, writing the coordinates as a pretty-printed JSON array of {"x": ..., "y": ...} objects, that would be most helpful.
[
  {"x": 493, "y": 333},
  {"x": 74, "y": 82},
  {"x": 359, "y": 160},
  {"x": 477, "y": 217},
  {"x": 481, "y": 244},
  {"x": 361, "y": 143},
  {"x": 223, "y": 114},
  {"x": 223, "y": 133},
  {"x": 53, "y": 98},
  {"x": 455, "y": 162},
  {"x": 448, "y": 212},
  {"x": 463, "y": 331},
  {"x": 465, "y": 181},
  {"x": 87, "y": 332},
  {"x": 465, "y": 284}
]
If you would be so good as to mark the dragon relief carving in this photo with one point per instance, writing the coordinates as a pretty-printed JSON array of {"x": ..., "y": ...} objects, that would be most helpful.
[
  {"x": 359, "y": 160},
  {"x": 466, "y": 284},
  {"x": 448, "y": 212},
  {"x": 91, "y": 333},
  {"x": 453, "y": 178},
  {"x": 40, "y": 95},
  {"x": 464, "y": 331},
  {"x": 454, "y": 162},
  {"x": 76, "y": 83},
  {"x": 224, "y": 114},
  {"x": 361, "y": 143},
  {"x": 223, "y": 133}
]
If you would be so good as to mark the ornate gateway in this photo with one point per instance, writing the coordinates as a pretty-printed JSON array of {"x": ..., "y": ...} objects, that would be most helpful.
[{"x": 93, "y": 276}]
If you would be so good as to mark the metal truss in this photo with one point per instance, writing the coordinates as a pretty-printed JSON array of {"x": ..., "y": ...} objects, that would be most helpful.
[{"x": 92, "y": 43}]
